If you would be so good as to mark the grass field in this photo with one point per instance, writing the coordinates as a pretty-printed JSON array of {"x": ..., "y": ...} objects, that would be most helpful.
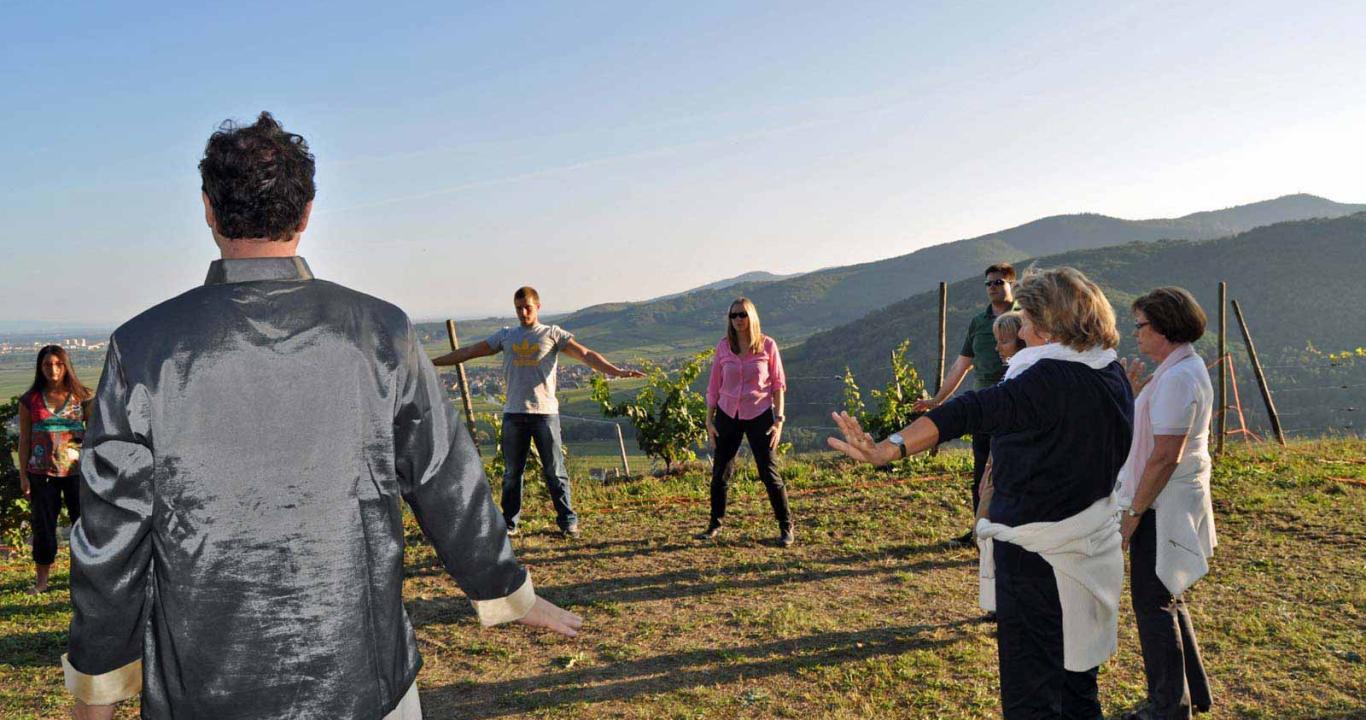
[{"x": 870, "y": 615}]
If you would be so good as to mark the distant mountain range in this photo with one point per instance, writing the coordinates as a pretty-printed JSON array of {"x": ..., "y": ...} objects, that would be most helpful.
[
  {"x": 1300, "y": 284},
  {"x": 756, "y": 276},
  {"x": 794, "y": 308}
]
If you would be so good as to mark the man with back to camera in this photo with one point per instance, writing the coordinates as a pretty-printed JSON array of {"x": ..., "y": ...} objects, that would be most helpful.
[
  {"x": 240, "y": 550},
  {"x": 532, "y": 413},
  {"x": 979, "y": 354}
]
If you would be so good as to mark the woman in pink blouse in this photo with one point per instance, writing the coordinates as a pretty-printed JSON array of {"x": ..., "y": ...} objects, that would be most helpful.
[{"x": 745, "y": 401}]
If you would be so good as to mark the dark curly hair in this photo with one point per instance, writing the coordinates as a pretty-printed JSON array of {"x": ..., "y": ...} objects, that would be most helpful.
[{"x": 258, "y": 178}]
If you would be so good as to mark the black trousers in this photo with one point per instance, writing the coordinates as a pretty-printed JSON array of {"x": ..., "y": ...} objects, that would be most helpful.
[
  {"x": 1171, "y": 655},
  {"x": 729, "y": 432},
  {"x": 981, "y": 451},
  {"x": 46, "y": 503},
  {"x": 1034, "y": 683}
]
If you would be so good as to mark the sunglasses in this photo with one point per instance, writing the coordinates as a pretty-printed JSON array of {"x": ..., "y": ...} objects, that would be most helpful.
[
  {"x": 736, "y": 316},
  {"x": 994, "y": 283}
]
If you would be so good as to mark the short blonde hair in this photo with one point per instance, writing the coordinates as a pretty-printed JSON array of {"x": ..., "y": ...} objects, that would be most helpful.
[
  {"x": 1006, "y": 322},
  {"x": 1069, "y": 308},
  {"x": 756, "y": 337}
]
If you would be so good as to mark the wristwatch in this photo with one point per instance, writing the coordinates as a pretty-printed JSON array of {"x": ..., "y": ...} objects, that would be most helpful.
[
  {"x": 900, "y": 443},
  {"x": 1132, "y": 513}
]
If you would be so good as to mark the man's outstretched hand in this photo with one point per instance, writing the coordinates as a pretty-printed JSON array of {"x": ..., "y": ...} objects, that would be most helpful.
[{"x": 545, "y": 614}]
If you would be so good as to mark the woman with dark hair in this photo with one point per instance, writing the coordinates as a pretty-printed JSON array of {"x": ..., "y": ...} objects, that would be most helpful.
[
  {"x": 1060, "y": 425},
  {"x": 745, "y": 401},
  {"x": 1164, "y": 488},
  {"x": 52, "y": 416}
]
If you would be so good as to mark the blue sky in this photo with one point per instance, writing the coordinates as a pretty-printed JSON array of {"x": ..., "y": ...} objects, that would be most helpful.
[{"x": 618, "y": 151}]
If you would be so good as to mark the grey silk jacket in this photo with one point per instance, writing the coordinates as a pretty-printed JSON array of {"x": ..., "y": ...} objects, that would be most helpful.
[{"x": 240, "y": 547}]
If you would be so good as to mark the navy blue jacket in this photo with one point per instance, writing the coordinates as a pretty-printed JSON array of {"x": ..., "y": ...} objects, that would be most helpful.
[{"x": 1060, "y": 432}]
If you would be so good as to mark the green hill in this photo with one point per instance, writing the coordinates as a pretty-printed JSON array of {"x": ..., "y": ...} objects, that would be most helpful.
[
  {"x": 795, "y": 308},
  {"x": 1299, "y": 283}
]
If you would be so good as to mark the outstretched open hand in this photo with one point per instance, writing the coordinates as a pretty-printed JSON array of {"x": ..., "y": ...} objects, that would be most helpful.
[
  {"x": 545, "y": 614},
  {"x": 855, "y": 443}
]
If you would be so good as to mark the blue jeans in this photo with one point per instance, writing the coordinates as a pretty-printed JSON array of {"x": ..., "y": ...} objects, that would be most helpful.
[{"x": 519, "y": 431}]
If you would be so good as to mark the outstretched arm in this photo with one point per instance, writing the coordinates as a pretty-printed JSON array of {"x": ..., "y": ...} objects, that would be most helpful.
[
  {"x": 469, "y": 352},
  {"x": 960, "y": 369},
  {"x": 919, "y": 436},
  {"x": 1028, "y": 401},
  {"x": 595, "y": 360},
  {"x": 111, "y": 547}
]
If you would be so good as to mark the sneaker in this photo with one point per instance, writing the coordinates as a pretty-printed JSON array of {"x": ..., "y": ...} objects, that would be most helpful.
[
  {"x": 571, "y": 532},
  {"x": 710, "y": 533},
  {"x": 512, "y": 530},
  {"x": 786, "y": 538}
]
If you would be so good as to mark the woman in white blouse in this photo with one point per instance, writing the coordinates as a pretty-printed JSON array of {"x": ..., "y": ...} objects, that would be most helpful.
[{"x": 1168, "y": 524}]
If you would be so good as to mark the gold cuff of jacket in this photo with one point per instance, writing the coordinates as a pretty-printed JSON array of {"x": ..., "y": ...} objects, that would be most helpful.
[
  {"x": 105, "y": 688},
  {"x": 507, "y": 608}
]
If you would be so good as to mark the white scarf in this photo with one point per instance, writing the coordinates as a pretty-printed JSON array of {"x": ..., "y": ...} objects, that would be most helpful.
[
  {"x": 1088, "y": 565},
  {"x": 1094, "y": 357},
  {"x": 1142, "y": 446},
  {"x": 1184, "y": 513}
]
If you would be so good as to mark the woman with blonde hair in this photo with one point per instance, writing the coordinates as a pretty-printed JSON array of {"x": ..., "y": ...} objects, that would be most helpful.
[
  {"x": 52, "y": 417},
  {"x": 1060, "y": 426},
  {"x": 745, "y": 401}
]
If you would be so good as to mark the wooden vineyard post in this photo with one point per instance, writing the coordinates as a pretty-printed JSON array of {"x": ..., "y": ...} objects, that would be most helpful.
[
  {"x": 943, "y": 334},
  {"x": 1221, "y": 419},
  {"x": 943, "y": 343},
  {"x": 1261, "y": 377},
  {"x": 464, "y": 383},
  {"x": 621, "y": 443},
  {"x": 891, "y": 362}
]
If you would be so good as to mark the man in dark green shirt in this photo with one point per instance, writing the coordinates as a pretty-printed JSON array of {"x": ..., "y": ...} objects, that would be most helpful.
[{"x": 979, "y": 355}]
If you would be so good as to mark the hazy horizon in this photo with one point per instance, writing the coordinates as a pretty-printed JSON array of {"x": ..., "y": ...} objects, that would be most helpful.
[{"x": 464, "y": 151}]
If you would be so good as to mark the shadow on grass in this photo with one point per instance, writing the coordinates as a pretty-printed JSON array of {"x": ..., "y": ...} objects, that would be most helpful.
[
  {"x": 36, "y": 608},
  {"x": 697, "y": 668},
  {"x": 24, "y": 583},
  {"x": 36, "y": 649},
  {"x": 692, "y": 583}
]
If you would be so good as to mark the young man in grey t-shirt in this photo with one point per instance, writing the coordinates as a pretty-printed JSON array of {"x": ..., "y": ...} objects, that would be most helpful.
[{"x": 532, "y": 414}]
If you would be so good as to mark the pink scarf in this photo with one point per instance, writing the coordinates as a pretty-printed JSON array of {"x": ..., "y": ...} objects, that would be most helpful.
[{"x": 1142, "y": 446}]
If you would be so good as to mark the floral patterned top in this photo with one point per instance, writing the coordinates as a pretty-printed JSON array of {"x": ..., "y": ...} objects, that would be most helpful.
[{"x": 55, "y": 438}]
